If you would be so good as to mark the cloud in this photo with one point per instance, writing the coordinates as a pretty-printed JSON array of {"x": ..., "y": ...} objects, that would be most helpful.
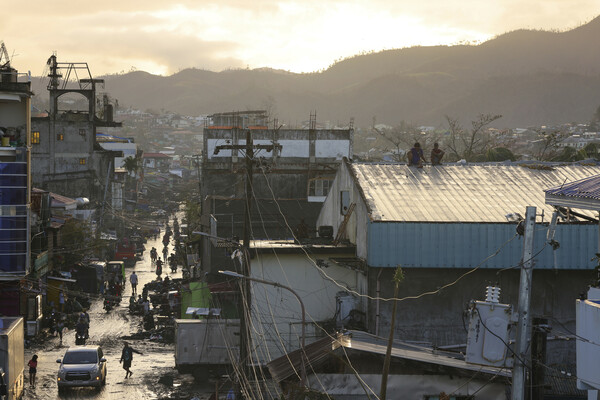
[{"x": 164, "y": 37}]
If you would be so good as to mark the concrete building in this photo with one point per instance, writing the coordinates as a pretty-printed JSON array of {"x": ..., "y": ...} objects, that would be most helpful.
[
  {"x": 67, "y": 157},
  {"x": 276, "y": 314},
  {"x": 348, "y": 366},
  {"x": 15, "y": 184},
  {"x": 449, "y": 228},
  {"x": 289, "y": 183}
]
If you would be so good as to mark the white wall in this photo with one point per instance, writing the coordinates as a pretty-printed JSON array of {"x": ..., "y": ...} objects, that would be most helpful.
[
  {"x": 276, "y": 312},
  {"x": 330, "y": 214},
  {"x": 406, "y": 387}
]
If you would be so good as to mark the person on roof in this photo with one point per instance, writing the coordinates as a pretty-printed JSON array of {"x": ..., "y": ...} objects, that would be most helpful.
[
  {"x": 415, "y": 156},
  {"x": 436, "y": 155}
]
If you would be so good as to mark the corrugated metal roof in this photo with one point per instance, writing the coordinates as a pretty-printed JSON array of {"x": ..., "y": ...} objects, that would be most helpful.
[
  {"x": 289, "y": 364},
  {"x": 364, "y": 341},
  {"x": 460, "y": 193},
  {"x": 587, "y": 188}
]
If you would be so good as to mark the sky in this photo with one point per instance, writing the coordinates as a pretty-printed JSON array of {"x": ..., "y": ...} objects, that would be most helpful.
[{"x": 164, "y": 37}]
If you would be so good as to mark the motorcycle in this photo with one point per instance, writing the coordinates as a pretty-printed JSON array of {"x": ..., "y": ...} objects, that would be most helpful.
[
  {"x": 80, "y": 339},
  {"x": 108, "y": 305}
]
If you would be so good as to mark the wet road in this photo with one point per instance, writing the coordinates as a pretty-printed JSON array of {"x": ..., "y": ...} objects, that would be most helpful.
[{"x": 107, "y": 330}]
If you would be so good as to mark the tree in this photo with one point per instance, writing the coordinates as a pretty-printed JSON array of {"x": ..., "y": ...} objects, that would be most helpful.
[
  {"x": 499, "y": 154},
  {"x": 595, "y": 122},
  {"x": 547, "y": 147},
  {"x": 78, "y": 242},
  {"x": 131, "y": 164},
  {"x": 570, "y": 154},
  {"x": 468, "y": 144},
  {"x": 401, "y": 137}
]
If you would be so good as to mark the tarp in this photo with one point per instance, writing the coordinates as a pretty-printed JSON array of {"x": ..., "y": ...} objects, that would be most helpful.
[{"x": 197, "y": 296}]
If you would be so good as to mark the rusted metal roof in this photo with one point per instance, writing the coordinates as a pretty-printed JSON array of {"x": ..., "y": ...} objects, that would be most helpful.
[
  {"x": 316, "y": 353},
  {"x": 460, "y": 193},
  {"x": 289, "y": 364}
]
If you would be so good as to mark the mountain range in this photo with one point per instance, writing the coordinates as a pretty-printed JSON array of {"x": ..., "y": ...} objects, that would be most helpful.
[{"x": 530, "y": 77}]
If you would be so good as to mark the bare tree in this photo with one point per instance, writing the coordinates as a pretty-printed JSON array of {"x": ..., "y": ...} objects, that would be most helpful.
[
  {"x": 546, "y": 148},
  {"x": 402, "y": 137},
  {"x": 468, "y": 144}
]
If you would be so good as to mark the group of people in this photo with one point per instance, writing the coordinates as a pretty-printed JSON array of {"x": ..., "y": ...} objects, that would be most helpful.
[{"x": 416, "y": 156}]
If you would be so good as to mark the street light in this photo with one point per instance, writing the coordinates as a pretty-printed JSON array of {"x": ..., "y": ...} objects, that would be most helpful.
[{"x": 302, "y": 365}]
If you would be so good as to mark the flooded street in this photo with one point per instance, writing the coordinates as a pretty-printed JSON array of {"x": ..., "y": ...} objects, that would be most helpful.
[{"x": 107, "y": 329}]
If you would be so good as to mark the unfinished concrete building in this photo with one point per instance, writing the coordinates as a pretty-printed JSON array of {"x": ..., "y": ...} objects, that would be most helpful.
[
  {"x": 66, "y": 157},
  {"x": 293, "y": 171}
]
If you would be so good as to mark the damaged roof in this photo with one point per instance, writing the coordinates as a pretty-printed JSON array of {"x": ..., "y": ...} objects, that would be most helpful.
[
  {"x": 460, "y": 192},
  {"x": 583, "y": 194},
  {"x": 316, "y": 353}
]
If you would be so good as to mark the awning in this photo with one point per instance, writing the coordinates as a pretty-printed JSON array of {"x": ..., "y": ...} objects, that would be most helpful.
[
  {"x": 203, "y": 311},
  {"x": 56, "y": 278}
]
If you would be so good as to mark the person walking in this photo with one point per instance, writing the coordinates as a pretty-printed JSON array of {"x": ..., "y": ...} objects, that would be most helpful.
[
  {"x": 60, "y": 325},
  {"x": 134, "y": 281},
  {"x": 127, "y": 358},
  {"x": 159, "y": 264},
  {"x": 32, "y": 364}
]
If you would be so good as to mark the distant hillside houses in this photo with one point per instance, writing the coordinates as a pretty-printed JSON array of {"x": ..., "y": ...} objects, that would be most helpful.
[{"x": 581, "y": 140}]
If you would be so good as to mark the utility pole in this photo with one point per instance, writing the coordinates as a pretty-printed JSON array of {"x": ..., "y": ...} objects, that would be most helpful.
[
  {"x": 197, "y": 161},
  {"x": 245, "y": 298},
  {"x": 522, "y": 355},
  {"x": 398, "y": 277}
]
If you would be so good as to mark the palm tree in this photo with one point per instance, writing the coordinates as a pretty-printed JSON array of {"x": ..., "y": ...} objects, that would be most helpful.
[{"x": 131, "y": 165}]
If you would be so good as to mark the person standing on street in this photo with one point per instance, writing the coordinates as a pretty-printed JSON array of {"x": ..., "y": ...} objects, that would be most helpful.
[
  {"x": 61, "y": 301},
  {"x": 134, "y": 281},
  {"x": 60, "y": 325},
  {"x": 32, "y": 364},
  {"x": 126, "y": 358},
  {"x": 159, "y": 264}
]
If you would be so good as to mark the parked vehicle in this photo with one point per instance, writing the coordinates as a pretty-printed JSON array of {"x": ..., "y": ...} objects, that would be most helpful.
[
  {"x": 12, "y": 355},
  {"x": 202, "y": 346},
  {"x": 125, "y": 250},
  {"x": 82, "y": 366},
  {"x": 115, "y": 271}
]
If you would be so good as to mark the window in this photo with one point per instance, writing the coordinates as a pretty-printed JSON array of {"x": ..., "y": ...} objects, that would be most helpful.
[
  {"x": 60, "y": 137},
  {"x": 344, "y": 201},
  {"x": 82, "y": 161},
  {"x": 319, "y": 187},
  {"x": 35, "y": 137}
]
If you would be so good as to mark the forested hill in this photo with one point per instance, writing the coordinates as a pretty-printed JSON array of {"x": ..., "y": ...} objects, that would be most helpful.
[{"x": 530, "y": 77}]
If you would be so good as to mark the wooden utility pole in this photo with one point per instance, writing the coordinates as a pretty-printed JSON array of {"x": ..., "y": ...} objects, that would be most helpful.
[
  {"x": 398, "y": 277},
  {"x": 522, "y": 355}
]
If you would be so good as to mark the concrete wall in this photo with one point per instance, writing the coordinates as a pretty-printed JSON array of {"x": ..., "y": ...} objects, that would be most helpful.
[
  {"x": 297, "y": 144},
  {"x": 437, "y": 318},
  {"x": 357, "y": 228},
  {"x": 405, "y": 387},
  {"x": 56, "y": 164},
  {"x": 276, "y": 311}
]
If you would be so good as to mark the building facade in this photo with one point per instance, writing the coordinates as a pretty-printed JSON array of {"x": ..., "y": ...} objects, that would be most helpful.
[
  {"x": 67, "y": 157},
  {"x": 448, "y": 228},
  {"x": 15, "y": 185},
  {"x": 289, "y": 182}
]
